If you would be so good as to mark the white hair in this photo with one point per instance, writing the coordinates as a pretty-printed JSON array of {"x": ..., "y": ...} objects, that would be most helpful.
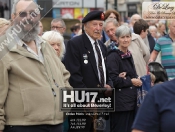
[
  {"x": 152, "y": 28},
  {"x": 131, "y": 19},
  {"x": 110, "y": 20},
  {"x": 122, "y": 31},
  {"x": 55, "y": 37}
]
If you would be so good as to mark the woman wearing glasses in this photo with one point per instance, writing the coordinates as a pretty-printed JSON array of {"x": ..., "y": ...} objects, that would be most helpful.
[
  {"x": 125, "y": 80},
  {"x": 56, "y": 40}
]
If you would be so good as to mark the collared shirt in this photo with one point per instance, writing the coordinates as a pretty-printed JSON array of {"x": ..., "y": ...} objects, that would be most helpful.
[
  {"x": 113, "y": 42},
  {"x": 164, "y": 44},
  {"x": 38, "y": 42},
  {"x": 96, "y": 58}
]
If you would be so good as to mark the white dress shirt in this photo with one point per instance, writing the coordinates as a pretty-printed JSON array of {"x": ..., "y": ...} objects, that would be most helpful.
[{"x": 96, "y": 58}]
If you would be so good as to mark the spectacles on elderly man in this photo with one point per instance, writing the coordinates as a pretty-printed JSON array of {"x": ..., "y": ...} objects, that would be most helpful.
[
  {"x": 53, "y": 27},
  {"x": 24, "y": 14}
]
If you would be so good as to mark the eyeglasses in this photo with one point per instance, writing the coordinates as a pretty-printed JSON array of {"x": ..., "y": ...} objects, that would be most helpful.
[
  {"x": 24, "y": 14},
  {"x": 53, "y": 27}
]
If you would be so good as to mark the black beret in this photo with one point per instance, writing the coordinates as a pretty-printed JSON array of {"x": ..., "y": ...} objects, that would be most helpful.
[{"x": 94, "y": 15}]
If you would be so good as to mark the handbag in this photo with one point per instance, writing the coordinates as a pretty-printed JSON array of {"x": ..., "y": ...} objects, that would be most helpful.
[
  {"x": 144, "y": 89},
  {"x": 158, "y": 70}
]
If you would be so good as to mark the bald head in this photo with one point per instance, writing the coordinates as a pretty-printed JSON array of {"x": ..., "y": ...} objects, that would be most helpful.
[
  {"x": 17, "y": 4},
  {"x": 27, "y": 9},
  {"x": 134, "y": 18}
]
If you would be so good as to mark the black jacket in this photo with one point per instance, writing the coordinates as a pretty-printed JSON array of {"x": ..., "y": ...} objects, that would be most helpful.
[
  {"x": 151, "y": 42},
  {"x": 83, "y": 75},
  {"x": 125, "y": 92}
]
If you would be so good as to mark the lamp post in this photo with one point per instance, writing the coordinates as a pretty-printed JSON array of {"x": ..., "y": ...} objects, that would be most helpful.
[
  {"x": 10, "y": 6},
  {"x": 82, "y": 10},
  {"x": 106, "y": 4},
  {"x": 115, "y": 5},
  {"x": 95, "y": 4}
]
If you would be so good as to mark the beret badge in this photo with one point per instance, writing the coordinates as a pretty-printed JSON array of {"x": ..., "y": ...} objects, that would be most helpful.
[{"x": 102, "y": 16}]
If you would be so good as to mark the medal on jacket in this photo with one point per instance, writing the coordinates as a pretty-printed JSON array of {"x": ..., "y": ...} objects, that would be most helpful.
[{"x": 85, "y": 57}]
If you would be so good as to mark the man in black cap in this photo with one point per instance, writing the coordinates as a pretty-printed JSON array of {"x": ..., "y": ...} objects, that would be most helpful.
[{"x": 85, "y": 60}]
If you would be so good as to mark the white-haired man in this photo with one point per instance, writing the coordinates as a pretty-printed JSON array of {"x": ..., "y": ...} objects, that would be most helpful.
[{"x": 133, "y": 19}]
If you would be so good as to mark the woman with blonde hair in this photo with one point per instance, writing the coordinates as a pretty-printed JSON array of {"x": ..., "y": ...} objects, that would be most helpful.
[
  {"x": 161, "y": 29},
  {"x": 4, "y": 24},
  {"x": 56, "y": 40}
]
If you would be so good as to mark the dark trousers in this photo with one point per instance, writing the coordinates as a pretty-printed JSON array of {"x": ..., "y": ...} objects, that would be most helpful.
[
  {"x": 36, "y": 128},
  {"x": 121, "y": 121}
]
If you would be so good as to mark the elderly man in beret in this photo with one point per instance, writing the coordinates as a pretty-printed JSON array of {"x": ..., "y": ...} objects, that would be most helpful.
[{"x": 86, "y": 58}]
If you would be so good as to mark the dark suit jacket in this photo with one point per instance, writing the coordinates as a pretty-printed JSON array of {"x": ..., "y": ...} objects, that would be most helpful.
[
  {"x": 151, "y": 42},
  {"x": 83, "y": 75}
]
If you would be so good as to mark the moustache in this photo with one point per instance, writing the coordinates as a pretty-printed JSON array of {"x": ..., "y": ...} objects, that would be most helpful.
[
  {"x": 98, "y": 32},
  {"x": 29, "y": 21}
]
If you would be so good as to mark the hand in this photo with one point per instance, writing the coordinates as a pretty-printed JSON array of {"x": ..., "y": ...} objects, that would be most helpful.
[
  {"x": 150, "y": 60},
  {"x": 107, "y": 86},
  {"x": 136, "y": 82},
  {"x": 1, "y": 131},
  {"x": 108, "y": 91},
  {"x": 123, "y": 74}
]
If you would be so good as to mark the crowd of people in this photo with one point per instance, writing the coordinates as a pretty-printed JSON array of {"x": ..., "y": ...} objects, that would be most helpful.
[{"x": 103, "y": 52}]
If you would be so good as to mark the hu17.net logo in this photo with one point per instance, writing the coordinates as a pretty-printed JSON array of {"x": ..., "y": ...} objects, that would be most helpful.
[{"x": 89, "y": 99}]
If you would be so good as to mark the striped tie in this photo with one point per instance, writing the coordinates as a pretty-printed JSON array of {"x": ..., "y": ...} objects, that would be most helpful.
[{"x": 100, "y": 67}]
